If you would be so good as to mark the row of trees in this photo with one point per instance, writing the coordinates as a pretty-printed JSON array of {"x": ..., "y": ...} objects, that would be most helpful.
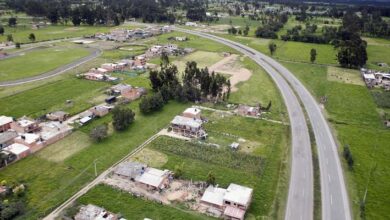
[
  {"x": 309, "y": 35},
  {"x": 94, "y": 12},
  {"x": 233, "y": 30},
  {"x": 271, "y": 26},
  {"x": 197, "y": 85}
]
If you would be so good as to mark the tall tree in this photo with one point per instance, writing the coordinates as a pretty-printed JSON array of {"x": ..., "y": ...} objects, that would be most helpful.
[
  {"x": 31, "y": 37},
  {"x": 122, "y": 117},
  {"x": 12, "y": 22},
  {"x": 272, "y": 48},
  {"x": 1, "y": 30}
]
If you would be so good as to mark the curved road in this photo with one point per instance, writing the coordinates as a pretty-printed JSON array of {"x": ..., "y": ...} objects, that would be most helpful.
[
  {"x": 94, "y": 54},
  {"x": 335, "y": 203}
]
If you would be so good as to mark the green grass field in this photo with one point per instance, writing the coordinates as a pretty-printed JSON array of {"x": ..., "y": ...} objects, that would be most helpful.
[
  {"x": 38, "y": 62},
  {"x": 52, "y": 96},
  {"x": 202, "y": 58},
  {"x": 53, "y": 32},
  {"x": 353, "y": 114}
]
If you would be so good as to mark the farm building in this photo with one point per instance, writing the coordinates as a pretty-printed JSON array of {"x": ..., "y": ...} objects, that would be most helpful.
[
  {"x": 194, "y": 113},
  {"x": 25, "y": 125},
  {"x": 57, "y": 116},
  {"x": 188, "y": 127},
  {"x": 134, "y": 93},
  {"x": 53, "y": 132},
  {"x": 20, "y": 150},
  {"x": 110, "y": 99},
  {"x": 246, "y": 110},
  {"x": 5, "y": 123},
  {"x": 7, "y": 138},
  {"x": 121, "y": 88},
  {"x": 92, "y": 212}
]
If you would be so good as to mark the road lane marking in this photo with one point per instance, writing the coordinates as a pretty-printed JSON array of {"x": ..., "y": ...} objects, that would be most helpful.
[
  {"x": 331, "y": 199},
  {"x": 329, "y": 178}
]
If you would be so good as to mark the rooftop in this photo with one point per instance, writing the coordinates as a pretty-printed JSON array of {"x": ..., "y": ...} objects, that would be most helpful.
[
  {"x": 152, "y": 177},
  {"x": 193, "y": 111},
  {"x": 238, "y": 194},
  {"x": 214, "y": 195},
  {"x": 17, "y": 148},
  {"x": 129, "y": 169},
  {"x": 7, "y": 136},
  {"x": 5, "y": 120},
  {"x": 180, "y": 120}
]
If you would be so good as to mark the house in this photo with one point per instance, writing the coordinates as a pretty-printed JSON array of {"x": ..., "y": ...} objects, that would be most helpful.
[
  {"x": 120, "y": 89},
  {"x": 25, "y": 125},
  {"x": 238, "y": 196},
  {"x": 134, "y": 93},
  {"x": 140, "y": 61},
  {"x": 191, "y": 24},
  {"x": 57, "y": 116},
  {"x": 233, "y": 201},
  {"x": 53, "y": 131},
  {"x": 92, "y": 212},
  {"x": 7, "y": 138},
  {"x": 99, "y": 70},
  {"x": 369, "y": 79},
  {"x": 110, "y": 67},
  {"x": 85, "y": 117},
  {"x": 33, "y": 141},
  {"x": 154, "y": 51},
  {"x": 245, "y": 110},
  {"x": 213, "y": 196},
  {"x": 130, "y": 169},
  {"x": 181, "y": 38},
  {"x": 188, "y": 127},
  {"x": 5, "y": 123},
  {"x": 154, "y": 178},
  {"x": 193, "y": 113},
  {"x": 20, "y": 150},
  {"x": 94, "y": 76},
  {"x": 100, "y": 110}
]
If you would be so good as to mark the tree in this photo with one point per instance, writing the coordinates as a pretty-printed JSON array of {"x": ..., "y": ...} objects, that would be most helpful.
[
  {"x": 348, "y": 156},
  {"x": 99, "y": 133},
  {"x": 211, "y": 179},
  {"x": 17, "y": 45},
  {"x": 76, "y": 17},
  {"x": 151, "y": 103},
  {"x": 122, "y": 117},
  {"x": 313, "y": 55},
  {"x": 10, "y": 37},
  {"x": 12, "y": 22},
  {"x": 178, "y": 170},
  {"x": 31, "y": 37},
  {"x": 164, "y": 59},
  {"x": 1, "y": 30},
  {"x": 272, "y": 48}
]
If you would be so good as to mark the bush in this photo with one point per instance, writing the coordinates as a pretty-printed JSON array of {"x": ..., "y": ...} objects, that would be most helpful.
[
  {"x": 122, "y": 117},
  {"x": 382, "y": 99},
  {"x": 151, "y": 103},
  {"x": 99, "y": 133}
]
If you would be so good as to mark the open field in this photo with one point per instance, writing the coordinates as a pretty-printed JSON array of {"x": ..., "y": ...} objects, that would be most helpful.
[
  {"x": 202, "y": 58},
  {"x": 33, "y": 103},
  {"x": 354, "y": 115},
  {"x": 51, "y": 183},
  {"x": 119, "y": 202},
  {"x": 39, "y": 61},
  {"x": 345, "y": 76},
  {"x": 52, "y": 32}
]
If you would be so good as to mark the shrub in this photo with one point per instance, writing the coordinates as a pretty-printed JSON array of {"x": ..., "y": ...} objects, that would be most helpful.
[
  {"x": 122, "y": 117},
  {"x": 99, "y": 133}
]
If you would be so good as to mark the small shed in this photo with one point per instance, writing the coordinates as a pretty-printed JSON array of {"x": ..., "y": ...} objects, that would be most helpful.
[
  {"x": 20, "y": 150},
  {"x": 110, "y": 99}
]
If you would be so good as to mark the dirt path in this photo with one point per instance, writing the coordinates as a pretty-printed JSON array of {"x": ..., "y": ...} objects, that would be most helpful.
[{"x": 229, "y": 66}]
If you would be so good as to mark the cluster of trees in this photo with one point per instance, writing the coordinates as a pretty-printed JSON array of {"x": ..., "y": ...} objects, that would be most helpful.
[
  {"x": 309, "y": 35},
  {"x": 98, "y": 12},
  {"x": 271, "y": 26},
  {"x": 197, "y": 84},
  {"x": 233, "y": 30},
  {"x": 122, "y": 117},
  {"x": 373, "y": 24},
  {"x": 12, "y": 203},
  {"x": 196, "y": 12},
  {"x": 352, "y": 50}
]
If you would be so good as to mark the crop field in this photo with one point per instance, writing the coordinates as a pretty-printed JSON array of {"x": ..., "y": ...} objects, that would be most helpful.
[
  {"x": 353, "y": 114},
  {"x": 345, "y": 76},
  {"x": 51, "y": 183},
  {"x": 38, "y": 61}
]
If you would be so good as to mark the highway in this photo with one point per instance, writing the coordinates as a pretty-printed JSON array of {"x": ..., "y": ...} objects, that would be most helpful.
[
  {"x": 94, "y": 53},
  {"x": 334, "y": 197}
]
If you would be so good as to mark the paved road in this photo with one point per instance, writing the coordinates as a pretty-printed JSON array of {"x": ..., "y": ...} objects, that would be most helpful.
[
  {"x": 94, "y": 54},
  {"x": 300, "y": 198},
  {"x": 335, "y": 203}
]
